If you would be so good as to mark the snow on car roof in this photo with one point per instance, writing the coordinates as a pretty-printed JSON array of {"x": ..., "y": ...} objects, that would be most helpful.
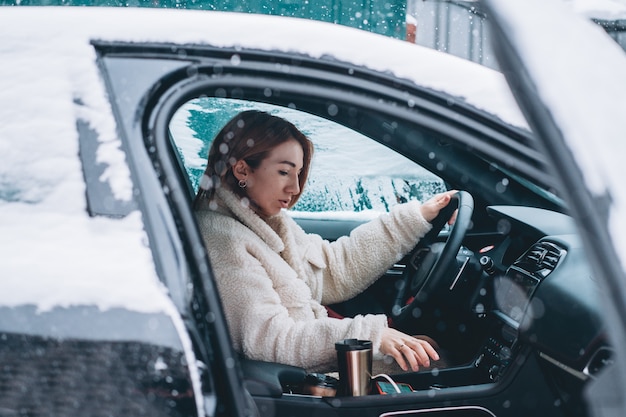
[
  {"x": 427, "y": 67},
  {"x": 53, "y": 253}
]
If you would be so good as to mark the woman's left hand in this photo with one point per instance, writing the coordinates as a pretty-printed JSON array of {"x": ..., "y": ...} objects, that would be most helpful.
[{"x": 431, "y": 208}]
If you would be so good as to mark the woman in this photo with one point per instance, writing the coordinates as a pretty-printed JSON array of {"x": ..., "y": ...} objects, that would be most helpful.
[{"x": 274, "y": 279}]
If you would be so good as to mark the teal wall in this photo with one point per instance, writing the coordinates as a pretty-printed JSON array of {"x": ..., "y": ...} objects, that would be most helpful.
[{"x": 386, "y": 17}]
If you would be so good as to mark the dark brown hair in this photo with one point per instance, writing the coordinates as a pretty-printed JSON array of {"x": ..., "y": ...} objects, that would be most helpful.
[{"x": 251, "y": 135}]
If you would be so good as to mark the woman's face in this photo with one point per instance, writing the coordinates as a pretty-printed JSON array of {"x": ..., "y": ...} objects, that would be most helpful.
[{"x": 274, "y": 183}]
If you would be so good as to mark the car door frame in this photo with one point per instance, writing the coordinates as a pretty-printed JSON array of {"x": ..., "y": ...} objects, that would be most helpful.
[{"x": 168, "y": 81}]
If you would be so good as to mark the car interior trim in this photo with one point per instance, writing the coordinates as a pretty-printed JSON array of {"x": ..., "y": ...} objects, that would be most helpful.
[
  {"x": 460, "y": 273},
  {"x": 464, "y": 409},
  {"x": 580, "y": 375}
]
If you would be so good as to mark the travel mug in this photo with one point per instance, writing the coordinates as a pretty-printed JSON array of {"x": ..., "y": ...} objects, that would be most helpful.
[{"x": 354, "y": 358}]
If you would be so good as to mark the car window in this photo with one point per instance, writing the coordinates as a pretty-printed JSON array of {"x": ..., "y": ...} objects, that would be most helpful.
[{"x": 350, "y": 173}]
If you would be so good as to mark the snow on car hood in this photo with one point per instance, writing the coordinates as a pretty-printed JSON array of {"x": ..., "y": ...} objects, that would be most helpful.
[{"x": 53, "y": 253}]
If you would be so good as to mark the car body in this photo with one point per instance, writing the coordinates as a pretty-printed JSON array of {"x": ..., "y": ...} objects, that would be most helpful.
[{"x": 108, "y": 304}]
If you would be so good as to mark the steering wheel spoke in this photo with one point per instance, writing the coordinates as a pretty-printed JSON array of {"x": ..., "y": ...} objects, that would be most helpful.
[{"x": 429, "y": 261}]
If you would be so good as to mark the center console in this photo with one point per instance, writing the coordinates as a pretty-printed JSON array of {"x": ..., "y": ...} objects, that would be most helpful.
[{"x": 505, "y": 304}]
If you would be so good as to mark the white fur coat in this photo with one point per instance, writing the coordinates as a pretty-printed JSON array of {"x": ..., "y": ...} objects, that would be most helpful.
[{"x": 274, "y": 279}]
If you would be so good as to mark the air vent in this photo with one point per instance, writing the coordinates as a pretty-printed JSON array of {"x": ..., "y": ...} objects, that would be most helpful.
[{"x": 541, "y": 258}]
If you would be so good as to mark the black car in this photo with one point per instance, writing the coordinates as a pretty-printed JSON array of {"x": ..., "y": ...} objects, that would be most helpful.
[{"x": 108, "y": 304}]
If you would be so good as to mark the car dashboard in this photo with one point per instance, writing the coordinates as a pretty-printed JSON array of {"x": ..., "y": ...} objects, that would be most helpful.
[
  {"x": 542, "y": 305},
  {"x": 547, "y": 295}
]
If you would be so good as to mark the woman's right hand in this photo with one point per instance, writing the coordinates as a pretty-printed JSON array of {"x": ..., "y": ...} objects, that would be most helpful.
[
  {"x": 408, "y": 351},
  {"x": 431, "y": 208}
]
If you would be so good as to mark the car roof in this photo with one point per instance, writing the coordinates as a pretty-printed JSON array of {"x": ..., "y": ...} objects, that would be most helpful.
[{"x": 482, "y": 87}]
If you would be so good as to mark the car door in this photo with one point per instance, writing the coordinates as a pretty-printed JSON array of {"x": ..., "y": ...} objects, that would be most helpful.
[{"x": 569, "y": 78}]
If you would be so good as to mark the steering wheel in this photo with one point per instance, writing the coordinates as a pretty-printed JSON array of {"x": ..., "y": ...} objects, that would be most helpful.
[{"x": 430, "y": 261}]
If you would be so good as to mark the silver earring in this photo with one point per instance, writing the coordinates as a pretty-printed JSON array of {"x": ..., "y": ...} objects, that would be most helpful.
[{"x": 242, "y": 184}]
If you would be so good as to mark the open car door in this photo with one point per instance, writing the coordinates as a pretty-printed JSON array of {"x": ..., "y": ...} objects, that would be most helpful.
[{"x": 569, "y": 78}]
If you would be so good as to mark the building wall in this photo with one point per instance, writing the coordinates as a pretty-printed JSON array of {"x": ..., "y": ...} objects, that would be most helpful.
[
  {"x": 457, "y": 27},
  {"x": 460, "y": 27}
]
